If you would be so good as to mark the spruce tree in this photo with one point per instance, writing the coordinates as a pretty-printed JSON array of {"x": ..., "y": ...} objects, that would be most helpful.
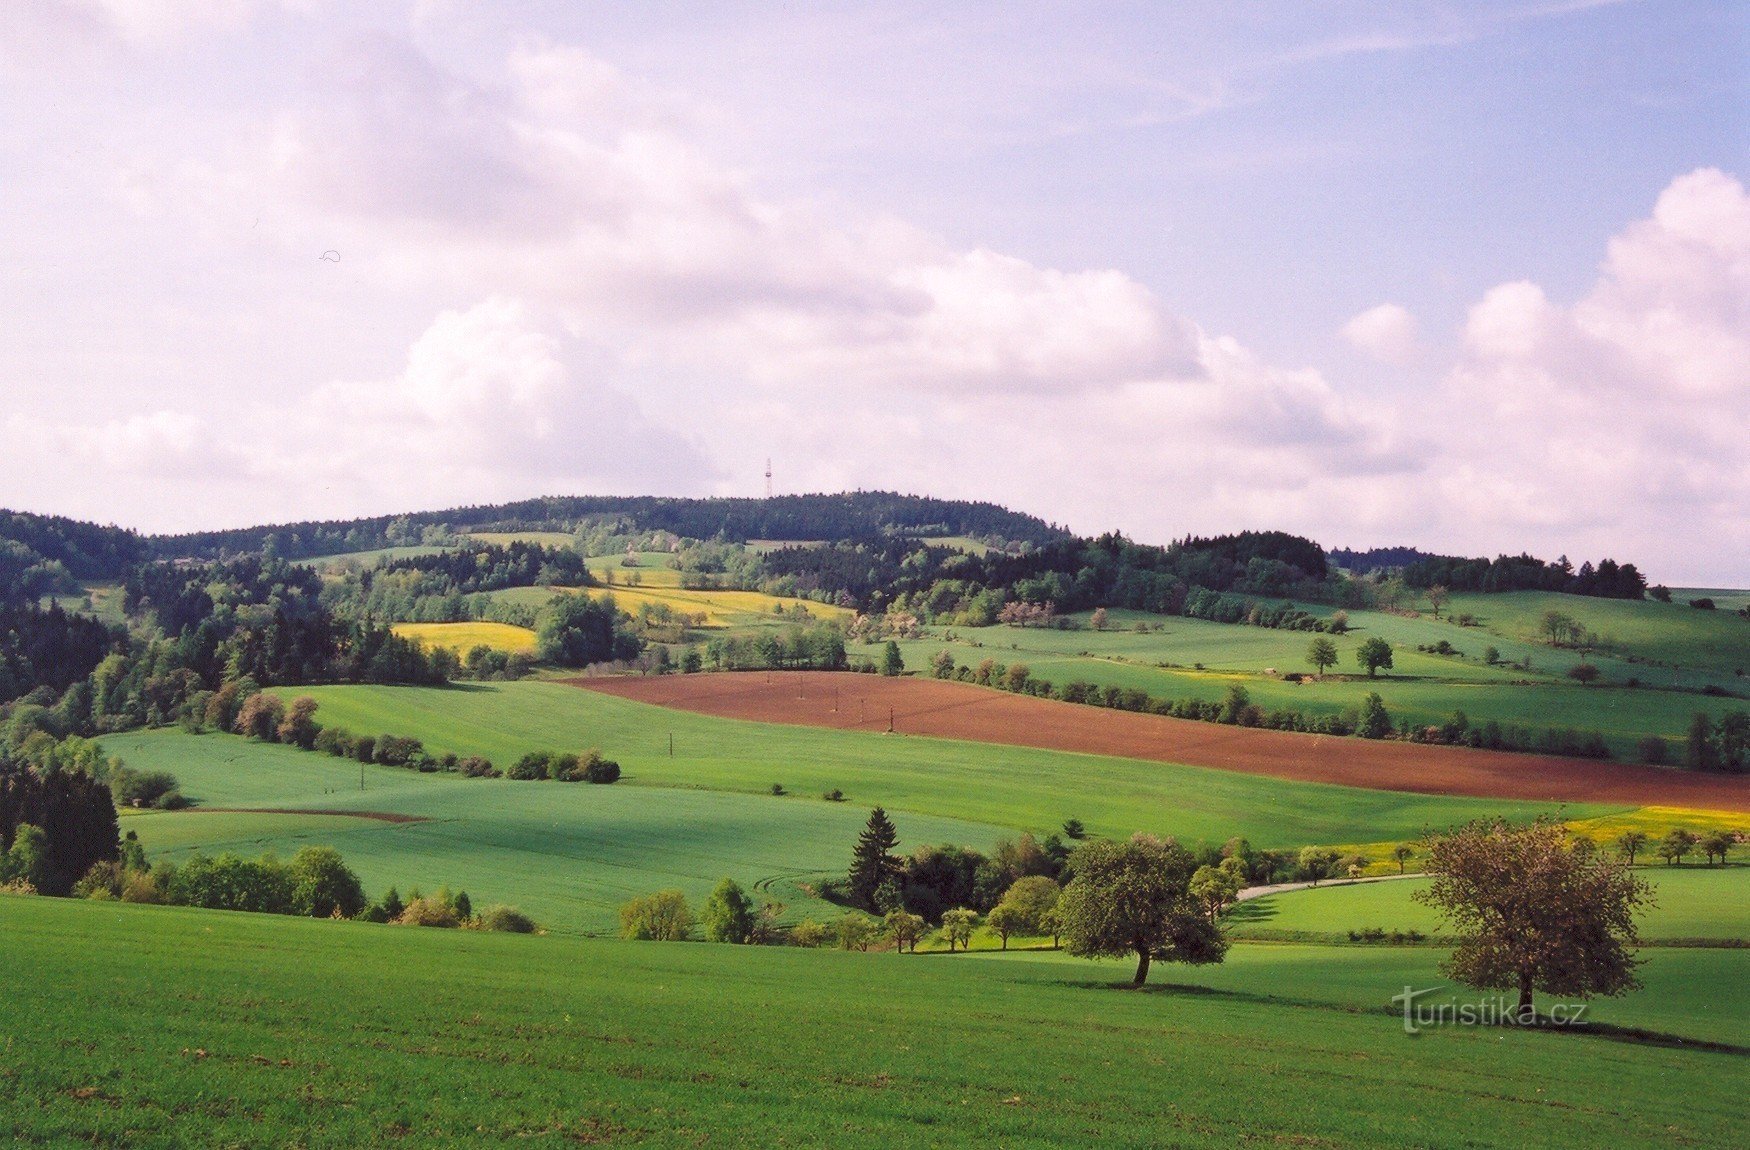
[{"x": 873, "y": 863}]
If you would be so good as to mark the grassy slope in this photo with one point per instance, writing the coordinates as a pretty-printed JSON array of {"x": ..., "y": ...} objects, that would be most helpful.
[
  {"x": 1692, "y": 649},
  {"x": 1691, "y": 902},
  {"x": 342, "y": 1034},
  {"x": 1019, "y": 788},
  {"x": 569, "y": 854}
]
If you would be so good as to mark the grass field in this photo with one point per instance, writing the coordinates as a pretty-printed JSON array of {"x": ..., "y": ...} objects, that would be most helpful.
[
  {"x": 464, "y": 637},
  {"x": 569, "y": 854},
  {"x": 1693, "y": 902},
  {"x": 1014, "y": 787},
  {"x": 1190, "y": 658},
  {"x": 322, "y": 1033},
  {"x": 369, "y": 558}
]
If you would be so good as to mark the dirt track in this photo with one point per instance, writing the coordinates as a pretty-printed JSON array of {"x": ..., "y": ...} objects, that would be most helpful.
[{"x": 961, "y": 711}]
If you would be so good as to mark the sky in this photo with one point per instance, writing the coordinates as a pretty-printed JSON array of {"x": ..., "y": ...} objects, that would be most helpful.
[{"x": 1468, "y": 276}]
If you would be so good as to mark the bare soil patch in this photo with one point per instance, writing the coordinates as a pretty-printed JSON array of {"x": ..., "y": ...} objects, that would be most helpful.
[{"x": 952, "y": 710}]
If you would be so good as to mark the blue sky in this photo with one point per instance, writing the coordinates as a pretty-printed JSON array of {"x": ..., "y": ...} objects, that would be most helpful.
[{"x": 1470, "y": 276}]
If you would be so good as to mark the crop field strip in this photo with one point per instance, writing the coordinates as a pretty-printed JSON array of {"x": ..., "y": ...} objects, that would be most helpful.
[{"x": 961, "y": 711}]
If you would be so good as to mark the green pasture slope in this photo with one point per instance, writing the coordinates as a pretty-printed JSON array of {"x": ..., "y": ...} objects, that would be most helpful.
[
  {"x": 175, "y": 1027},
  {"x": 568, "y": 854},
  {"x": 1013, "y": 787},
  {"x": 1691, "y": 902},
  {"x": 1679, "y": 651}
]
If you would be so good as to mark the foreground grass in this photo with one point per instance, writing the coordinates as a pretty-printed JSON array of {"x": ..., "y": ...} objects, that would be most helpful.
[
  {"x": 173, "y": 1027},
  {"x": 1019, "y": 788}
]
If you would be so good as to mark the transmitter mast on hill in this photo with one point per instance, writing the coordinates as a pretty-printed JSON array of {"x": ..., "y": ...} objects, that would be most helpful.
[{"x": 768, "y": 477}]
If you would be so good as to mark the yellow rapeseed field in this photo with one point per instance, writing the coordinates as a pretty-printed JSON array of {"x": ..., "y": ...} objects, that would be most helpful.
[{"x": 464, "y": 637}]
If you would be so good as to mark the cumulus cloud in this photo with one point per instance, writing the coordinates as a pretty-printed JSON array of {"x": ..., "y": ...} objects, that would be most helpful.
[
  {"x": 1388, "y": 333},
  {"x": 1619, "y": 420}
]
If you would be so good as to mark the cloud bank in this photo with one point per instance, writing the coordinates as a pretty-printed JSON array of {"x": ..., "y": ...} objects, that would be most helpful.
[{"x": 585, "y": 298}]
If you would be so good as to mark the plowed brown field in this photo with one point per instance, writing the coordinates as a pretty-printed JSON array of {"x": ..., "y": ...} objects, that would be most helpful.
[{"x": 961, "y": 711}]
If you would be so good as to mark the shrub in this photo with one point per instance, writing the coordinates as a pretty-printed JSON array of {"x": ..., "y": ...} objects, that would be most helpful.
[
  {"x": 809, "y": 933},
  {"x": 475, "y": 767},
  {"x": 533, "y": 765},
  {"x": 1653, "y": 750},
  {"x": 1583, "y": 673},
  {"x": 260, "y": 718},
  {"x": 364, "y": 749},
  {"x": 660, "y": 917},
  {"x": 834, "y": 796},
  {"x": 507, "y": 919},
  {"x": 599, "y": 770},
  {"x": 334, "y": 741},
  {"x": 396, "y": 751},
  {"x": 433, "y": 910},
  {"x": 143, "y": 788},
  {"x": 322, "y": 886}
]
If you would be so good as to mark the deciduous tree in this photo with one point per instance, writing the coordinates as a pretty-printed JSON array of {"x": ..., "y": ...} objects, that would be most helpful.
[
  {"x": 1134, "y": 898},
  {"x": 1373, "y": 654},
  {"x": 728, "y": 914},
  {"x": 1530, "y": 913},
  {"x": 1321, "y": 653}
]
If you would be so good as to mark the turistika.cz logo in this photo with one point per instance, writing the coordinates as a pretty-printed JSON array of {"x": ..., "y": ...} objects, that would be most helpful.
[{"x": 1496, "y": 1011}]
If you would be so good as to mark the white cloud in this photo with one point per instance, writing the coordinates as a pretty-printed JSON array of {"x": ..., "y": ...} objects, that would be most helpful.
[
  {"x": 1388, "y": 333},
  {"x": 1618, "y": 422}
]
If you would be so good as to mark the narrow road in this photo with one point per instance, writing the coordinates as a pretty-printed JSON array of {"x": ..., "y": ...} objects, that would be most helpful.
[{"x": 1252, "y": 892}]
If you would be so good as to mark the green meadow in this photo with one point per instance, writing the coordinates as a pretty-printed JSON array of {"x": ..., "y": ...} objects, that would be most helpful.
[
  {"x": 1655, "y": 660},
  {"x": 571, "y": 854},
  {"x": 1018, "y": 788},
  {"x": 319, "y": 1033},
  {"x": 1690, "y": 902},
  {"x": 568, "y": 854}
]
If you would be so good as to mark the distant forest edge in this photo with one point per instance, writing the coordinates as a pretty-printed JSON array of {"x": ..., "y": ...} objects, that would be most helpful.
[
  {"x": 1420, "y": 570},
  {"x": 47, "y": 554}
]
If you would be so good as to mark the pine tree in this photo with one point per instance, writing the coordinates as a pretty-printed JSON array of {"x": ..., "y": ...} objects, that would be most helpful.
[{"x": 873, "y": 863}]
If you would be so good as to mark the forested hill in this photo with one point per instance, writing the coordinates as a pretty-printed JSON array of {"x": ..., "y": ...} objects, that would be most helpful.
[{"x": 852, "y": 515}]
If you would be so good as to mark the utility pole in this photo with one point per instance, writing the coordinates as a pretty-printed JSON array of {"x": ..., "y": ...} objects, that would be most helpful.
[
  {"x": 361, "y": 776},
  {"x": 671, "y": 744},
  {"x": 890, "y": 720}
]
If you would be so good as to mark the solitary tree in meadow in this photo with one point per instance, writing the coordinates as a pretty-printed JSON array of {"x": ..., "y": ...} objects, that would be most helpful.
[
  {"x": 1321, "y": 653},
  {"x": 1099, "y": 619},
  {"x": 1630, "y": 843},
  {"x": 892, "y": 662},
  {"x": 1402, "y": 853},
  {"x": 1373, "y": 654},
  {"x": 1437, "y": 597},
  {"x": 1530, "y": 913},
  {"x": 1134, "y": 898}
]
